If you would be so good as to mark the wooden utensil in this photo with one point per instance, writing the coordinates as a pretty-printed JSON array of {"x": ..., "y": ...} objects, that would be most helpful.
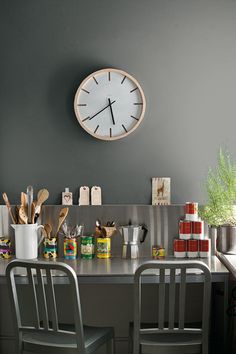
[
  {"x": 48, "y": 230},
  {"x": 42, "y": 196},
  {"x": 5, "y": 198},
  {"x": 29, "y": 202},
  {"x": 23, "y": 215},
  {"x": 23, "y": 199},
  {"x": 63, "y": 214}
]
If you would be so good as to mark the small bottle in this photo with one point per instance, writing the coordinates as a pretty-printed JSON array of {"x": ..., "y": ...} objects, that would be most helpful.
[{"x": 67, "y": 197}]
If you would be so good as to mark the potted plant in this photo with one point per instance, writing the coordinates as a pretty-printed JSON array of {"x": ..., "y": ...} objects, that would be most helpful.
[{"x": 219, "y": 212}]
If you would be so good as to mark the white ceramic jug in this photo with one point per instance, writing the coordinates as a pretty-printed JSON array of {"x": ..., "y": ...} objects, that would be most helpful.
[{"x": 26, "y": 240}]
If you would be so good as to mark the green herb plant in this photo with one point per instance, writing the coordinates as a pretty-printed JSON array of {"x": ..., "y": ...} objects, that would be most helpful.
[{"x": 221, "y": 189}]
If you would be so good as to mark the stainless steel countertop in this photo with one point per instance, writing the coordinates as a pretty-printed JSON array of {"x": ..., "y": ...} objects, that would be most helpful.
[
  {"x": 229, "y": 261},
  {"x": 117, "y": 270}
]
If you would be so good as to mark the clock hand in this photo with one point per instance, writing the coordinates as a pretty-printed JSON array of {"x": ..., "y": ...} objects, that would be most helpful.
[
  {"x": 112, "y": 115},
  {"x": 101, "y": 110}
]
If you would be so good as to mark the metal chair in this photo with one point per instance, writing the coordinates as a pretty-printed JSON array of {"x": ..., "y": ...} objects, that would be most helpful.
[
  {"x": 171, "y": 336},
  {"x": 43, "y": 333}
]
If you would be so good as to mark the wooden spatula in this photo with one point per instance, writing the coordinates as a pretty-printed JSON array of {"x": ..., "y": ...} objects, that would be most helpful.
[
  {"x": 63, "y": 214},
  {"x": 5, "y": 198},
  {"x": 23, "y": 215},
  {"x": 48, "y": 230}
]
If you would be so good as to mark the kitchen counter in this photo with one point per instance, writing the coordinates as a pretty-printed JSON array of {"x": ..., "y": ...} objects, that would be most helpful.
[{"x": 229, "y": 261}]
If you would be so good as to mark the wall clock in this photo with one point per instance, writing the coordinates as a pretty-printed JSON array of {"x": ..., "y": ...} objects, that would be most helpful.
[{"x": 109, "y": 104}]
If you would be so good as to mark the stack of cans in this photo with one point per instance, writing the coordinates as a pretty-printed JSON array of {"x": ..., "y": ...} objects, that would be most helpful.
[{"x": 191, "y": 242}]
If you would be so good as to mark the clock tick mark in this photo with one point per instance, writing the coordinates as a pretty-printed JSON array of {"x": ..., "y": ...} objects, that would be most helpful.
[
  {"x": 133, "y": 90},
  {"x": 134, "y": 117},
  {"x": 83, "y": 120},
  {"x": 96, "y": 129},
  {"x": 109, "y": 75},
  {"x": 124, "y": 128},
  {"x": 123, "y": 80},
  {"x": 110, "y": 132},
  {"x": 95, "y": 80},
  {"x": 82, "y": 104},
  {"x": 85, "y": 90},
  {"x": 138, "y": 103}
]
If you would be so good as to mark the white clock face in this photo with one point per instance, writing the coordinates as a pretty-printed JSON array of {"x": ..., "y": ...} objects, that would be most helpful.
[{"x": 109, "y": 104}]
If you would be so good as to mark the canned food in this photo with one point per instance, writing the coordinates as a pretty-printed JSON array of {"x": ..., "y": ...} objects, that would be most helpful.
[
  {"x": 50, "y": 247},
  {"x": 185, "y": 229},
  {"x": 198, "y": 229},
  {"x": 158, "y": 252},
  {"x": 103, "y": 247},
  {"x": 192, "y": 248},
  {"x": 191, "y": 211},
  {"x": 87, "y": 247},
  {"x": 5, "y": 248},
  {"x": 70, "y": 248},
  {"x": 180, "y": 248},
  {"x": 204, "y": 248}
]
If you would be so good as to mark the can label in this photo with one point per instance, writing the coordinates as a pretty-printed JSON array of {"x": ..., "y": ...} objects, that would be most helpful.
[
  {"x": 180, "y": 245},
  {"x": 5, "y": 248},
  {"x": 204, "y": 245},
  {"x": 103, "y": 247},
  {"x": 185, "y": 229},
  {"x": 70, "y": 248},
  {"x": 87, "y": 247},
  {"x": 198, "y": 229},
  {"x": 158, "y": 252},
  {"x": 192, "y": 248},
  {"x": 191, "y": 208},
  {"x": 50, "y": 247}
]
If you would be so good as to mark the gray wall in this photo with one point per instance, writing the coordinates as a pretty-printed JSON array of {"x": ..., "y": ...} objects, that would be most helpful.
[{"x": 182, "y": 52}]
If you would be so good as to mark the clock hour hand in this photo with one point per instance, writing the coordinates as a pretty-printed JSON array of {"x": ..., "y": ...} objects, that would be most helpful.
[
  {"x": 112, "y": 115},
  {"x": 102, "y": 110}
]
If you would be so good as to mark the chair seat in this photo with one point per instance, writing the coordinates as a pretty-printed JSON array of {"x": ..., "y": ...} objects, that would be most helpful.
[{"x": 94, "y": 337}]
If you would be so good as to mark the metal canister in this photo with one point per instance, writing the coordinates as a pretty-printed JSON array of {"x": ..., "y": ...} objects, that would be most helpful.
[
  {"x": 192, "y": 248},
  {"x": 50, "y": 247},
  {"x": 191, "y": 211},
  {"x": 180, "y": 248},
  {"x": 103, "y": 247},
  {"x": 5, "y": 248},
  {"x": 70, "y": 248},
  {"x": 158, "y": 252},
  {"x": 198, "y": 229},
  {"x": 185, "y": 229},
  {"x": 87, "y": 247}
]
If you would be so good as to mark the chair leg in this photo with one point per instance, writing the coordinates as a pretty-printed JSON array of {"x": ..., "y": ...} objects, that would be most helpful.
[{"x": 111, "y": 346}]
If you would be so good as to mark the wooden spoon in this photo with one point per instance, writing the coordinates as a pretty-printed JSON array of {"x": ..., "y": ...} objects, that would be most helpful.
[
  {"x": 63, "y": 214},
  {"x": 23, "y": 215},
  {"x": 5, "y": 198},
  {"x": 48, "y": 230},
  {"x": 42, "y": 196}
]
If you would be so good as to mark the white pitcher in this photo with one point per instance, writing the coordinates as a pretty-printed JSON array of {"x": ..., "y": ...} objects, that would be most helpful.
[{"x": 26, "y": 240}]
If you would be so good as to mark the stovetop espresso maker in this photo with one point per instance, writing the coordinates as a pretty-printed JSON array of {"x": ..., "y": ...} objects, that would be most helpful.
[{"x": 133, "y": 235}]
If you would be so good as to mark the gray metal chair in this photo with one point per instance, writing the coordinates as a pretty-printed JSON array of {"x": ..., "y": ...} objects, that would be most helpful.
[
  {"x": 170, "y": 335},
  {"x": 43, "y": 333}
]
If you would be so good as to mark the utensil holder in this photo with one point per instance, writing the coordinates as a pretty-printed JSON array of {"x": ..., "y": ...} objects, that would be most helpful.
[
  {"x": 50, "y": 247},
  {"x": 103, "y": 247}
]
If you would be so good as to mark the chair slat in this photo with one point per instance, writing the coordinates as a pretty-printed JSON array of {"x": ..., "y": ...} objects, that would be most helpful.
[
  {"x": 172, "y": 299},
  {"x": 161, "y": 300},
  {"x": 32, "y": 284},
  {"x": 182, "y": 297},
  {"x": 41, "y": 290},
  {"x": 53, "y": 306}
]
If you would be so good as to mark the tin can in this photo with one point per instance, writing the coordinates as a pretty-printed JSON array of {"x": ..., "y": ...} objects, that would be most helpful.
[
  {"x": 180, "y": 248},
  {"x": 198, "y": 229},
  {"x": 185, "y": 229},
  {"x": 158, "y": 252},
  {"x": 191, "y": 211},
  {"x": 103, "y": 247},
  {"x": 5, "y": 248},
  {"x": 87, "y": 247},
  {"x": 192, "y": 248},
  {"x": 50, "y": 247},
  {"x": 204, "y": 248},
  {"x": 70, "y": 248}
]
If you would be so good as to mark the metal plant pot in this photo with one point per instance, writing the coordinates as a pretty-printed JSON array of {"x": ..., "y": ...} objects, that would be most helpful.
[{"x": 226, "y": 239}]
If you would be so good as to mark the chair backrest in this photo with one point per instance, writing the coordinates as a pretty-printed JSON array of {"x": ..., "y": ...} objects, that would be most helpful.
[
  {"x": 40, "y": 275},
  {"x": 172, "y": 273}
]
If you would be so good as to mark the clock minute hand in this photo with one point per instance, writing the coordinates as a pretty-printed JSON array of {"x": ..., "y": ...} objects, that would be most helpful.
[
  {"x": 102, "y": 110},
  {"x": 112, "y": 115}
]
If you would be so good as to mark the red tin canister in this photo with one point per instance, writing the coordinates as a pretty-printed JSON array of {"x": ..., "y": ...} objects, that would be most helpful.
[
  {"x": 180, "y": 248},
  {"x": 198, "y": 229},
  {"x": 185, "y": 229},
  {"x": 204, "y": 248},
  {"x": 192, "y": 248},
  {"x": 191, "y": 211}
]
